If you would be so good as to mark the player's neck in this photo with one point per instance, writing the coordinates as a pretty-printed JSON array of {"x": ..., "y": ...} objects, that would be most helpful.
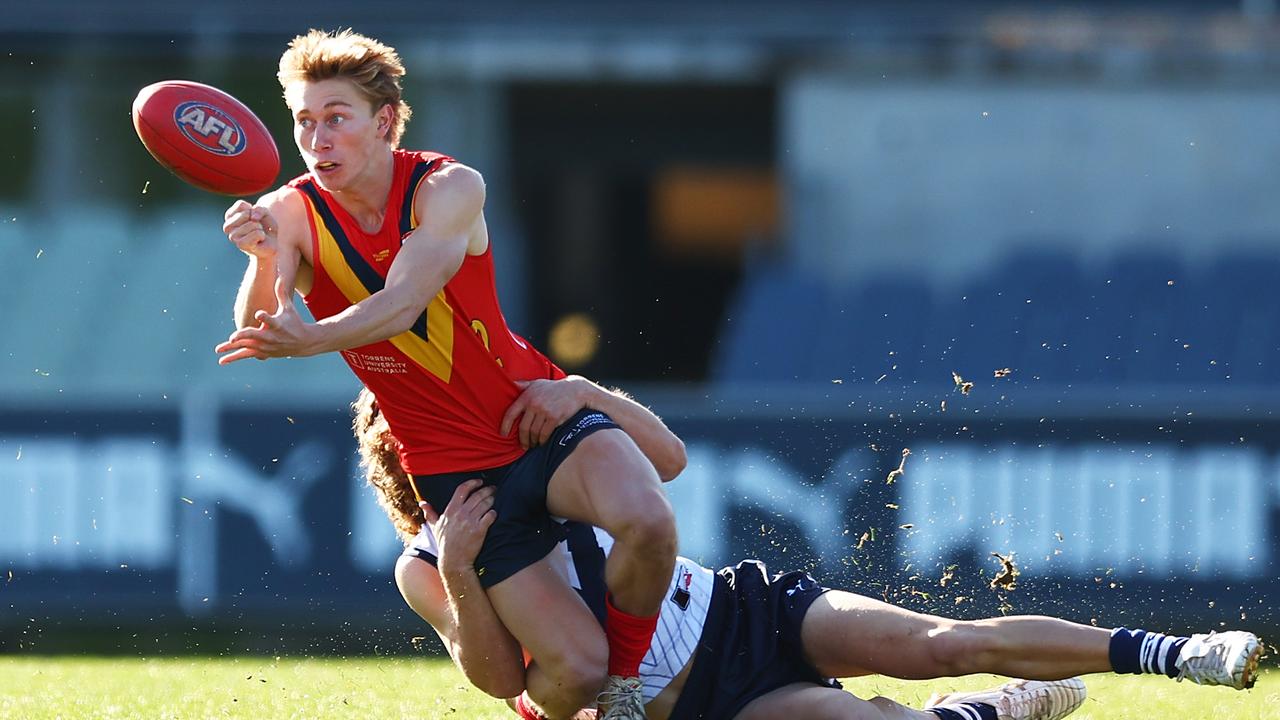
[{"x": 365, "y": 198}]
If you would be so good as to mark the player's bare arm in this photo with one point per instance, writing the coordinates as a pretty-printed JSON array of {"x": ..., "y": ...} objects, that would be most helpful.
[
  {"x": 544, "y": 405},
  {"x": 273, "y": 233},
  {"x": 450, "y": 205},
  {"x": 452, "y": 600}
]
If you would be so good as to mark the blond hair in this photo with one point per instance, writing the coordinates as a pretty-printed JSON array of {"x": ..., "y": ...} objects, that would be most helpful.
[
  {"x": 380, "y": 459},
  {"x": 375, "y": 69}
]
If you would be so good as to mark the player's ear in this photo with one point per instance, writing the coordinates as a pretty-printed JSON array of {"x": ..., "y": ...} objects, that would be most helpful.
[{"x": 384, "y": 116}]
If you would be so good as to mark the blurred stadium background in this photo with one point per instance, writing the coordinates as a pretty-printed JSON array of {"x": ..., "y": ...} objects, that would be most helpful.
[{"x": 783, "y": 225}]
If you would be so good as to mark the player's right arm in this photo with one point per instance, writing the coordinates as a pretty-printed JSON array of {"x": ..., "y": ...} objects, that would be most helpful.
[
  {"x": 272, "y": 234},
  {"x": 451, "y": 598},
  {"x": 543, "y": 405}
]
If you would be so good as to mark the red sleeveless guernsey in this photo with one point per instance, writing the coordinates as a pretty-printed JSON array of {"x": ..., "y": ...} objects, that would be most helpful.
[{"x": 446, "y": 383}]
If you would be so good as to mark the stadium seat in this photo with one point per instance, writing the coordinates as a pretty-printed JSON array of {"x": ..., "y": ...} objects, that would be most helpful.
[
  {"x": 1151, "y": 294},
  {"x": 771, "y": 328},
  {"x": 1240, "y": 317},
  {"x": 874, "y": 328},
  {"x": 1021, "y": 316}
]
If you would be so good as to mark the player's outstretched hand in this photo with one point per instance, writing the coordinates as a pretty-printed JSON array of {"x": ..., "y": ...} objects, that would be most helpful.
[
  {"x": 283, "y": 334},
  {"x": 461, "y": 528},
  {"x": 252, "y": 229},
  {"x": 545, "y": 406}
]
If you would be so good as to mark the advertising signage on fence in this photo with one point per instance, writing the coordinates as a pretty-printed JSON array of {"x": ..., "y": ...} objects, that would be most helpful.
[{"x": 214, "y": 512}]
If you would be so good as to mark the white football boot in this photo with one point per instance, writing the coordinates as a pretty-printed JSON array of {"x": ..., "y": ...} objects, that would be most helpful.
[
  {"x": 1023, "y": 699},
  {"x": 622, "y": 699},
  {"x": 1226, "y": 658}
]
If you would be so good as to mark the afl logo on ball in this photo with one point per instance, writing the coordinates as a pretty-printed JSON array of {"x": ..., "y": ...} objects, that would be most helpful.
[{"x": 209, "y": 127}]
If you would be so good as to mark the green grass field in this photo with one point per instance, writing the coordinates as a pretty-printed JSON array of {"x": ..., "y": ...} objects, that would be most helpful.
[{"x": 428, "y": 688}]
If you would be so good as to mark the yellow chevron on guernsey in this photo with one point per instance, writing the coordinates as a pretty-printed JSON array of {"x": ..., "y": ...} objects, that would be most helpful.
[{"x": 433, "y": 353}]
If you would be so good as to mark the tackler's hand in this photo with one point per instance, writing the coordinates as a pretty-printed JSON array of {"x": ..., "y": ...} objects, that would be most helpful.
[
  {"x": 460, "y": 530},
  {"x": 545, "y": 405}
]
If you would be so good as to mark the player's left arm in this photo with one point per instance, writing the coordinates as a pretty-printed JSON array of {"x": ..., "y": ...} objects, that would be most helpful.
[
  {"x": 450, "y": 205},
  {"x": 424, "y": 591},
  {"x": 451, "y": 598}
]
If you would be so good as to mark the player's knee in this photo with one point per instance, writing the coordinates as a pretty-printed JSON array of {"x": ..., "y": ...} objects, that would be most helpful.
[
  {"x": 575, "y": 679},
  {"x": 649, "y": 522}
]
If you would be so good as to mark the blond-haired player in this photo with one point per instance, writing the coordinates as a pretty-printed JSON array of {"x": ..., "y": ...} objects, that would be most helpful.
[{"x": 390, "y": 251}]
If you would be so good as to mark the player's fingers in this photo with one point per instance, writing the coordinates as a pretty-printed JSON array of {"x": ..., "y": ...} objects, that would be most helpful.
[
  {"x": 544, "y": 432},
  {"x": 269, "y": 321},
  {"x": 241, "y": 354},
  {"x": 247, "y": 238},
  {"x": 485, "y": 497},
  {"x": 428, "y": 513},
  {"x": 513, "y": 412},
  {"x": 522, "y": 384},
  {"x": 245, "y": 333},
  {"x": 227, "y": 345},
  {"x": 463, "y": 491},
  {"x": 237, "y": 207},
  {"x": 239, "y": 229},
  {"x": 479, "y": 502},
  {"x": 526, "y": 429},
  {"x": 239, "y": 217},
  {"x": 268, "y": 223},
  {"x": 247, "y": 231},
  {"x": 488, "y": 519},
  {"x": 242, "y": 343}
]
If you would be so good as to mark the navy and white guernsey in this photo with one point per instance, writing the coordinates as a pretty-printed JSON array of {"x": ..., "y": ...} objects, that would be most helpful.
[{"x": 581, "y": 557}]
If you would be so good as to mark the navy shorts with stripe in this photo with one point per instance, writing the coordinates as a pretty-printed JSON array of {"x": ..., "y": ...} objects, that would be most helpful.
[
  {"x": 751, "y": 643},
  {"x": 523, "y": 532}
]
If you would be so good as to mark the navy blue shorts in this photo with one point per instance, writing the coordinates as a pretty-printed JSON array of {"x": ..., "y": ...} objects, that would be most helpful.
[
  {"x": 751, "y": 643},
  {"x": 523, "y": 532}
]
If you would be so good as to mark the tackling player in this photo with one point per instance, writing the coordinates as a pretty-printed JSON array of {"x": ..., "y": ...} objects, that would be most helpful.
[
  {"x": 391, "y": 254},
  {"x": 765, "y": 646}
]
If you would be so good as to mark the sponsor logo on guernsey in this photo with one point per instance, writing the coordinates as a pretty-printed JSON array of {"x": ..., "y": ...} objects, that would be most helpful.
[
  {"x": 386, "y": 364},
  {"x": 681, "y": 595},
  {"x": 209, "y": 127}
]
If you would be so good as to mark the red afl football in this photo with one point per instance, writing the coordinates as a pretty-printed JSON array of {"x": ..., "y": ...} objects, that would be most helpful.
[{"x": 206, "y": 137}]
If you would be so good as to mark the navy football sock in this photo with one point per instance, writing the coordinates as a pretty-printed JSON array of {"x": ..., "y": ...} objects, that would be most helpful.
[
  {"x": 1138, "y": 651},
  {"x": 965, "y": 711}
]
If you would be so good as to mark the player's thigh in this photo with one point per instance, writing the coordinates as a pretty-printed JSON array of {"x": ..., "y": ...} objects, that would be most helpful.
[
  {"x": 846, "y": 635},
  {"x": 605, "y": 480},
  {"x": 550, "y": 620},
  {"x": 811, "y": 702}
]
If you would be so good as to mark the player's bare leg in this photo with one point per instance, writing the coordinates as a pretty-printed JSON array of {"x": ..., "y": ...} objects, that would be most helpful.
[
  {"x": 846, "y": 634},
  {"x": 609, "y": 483},
  {"x": 553, "y": 624}
]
